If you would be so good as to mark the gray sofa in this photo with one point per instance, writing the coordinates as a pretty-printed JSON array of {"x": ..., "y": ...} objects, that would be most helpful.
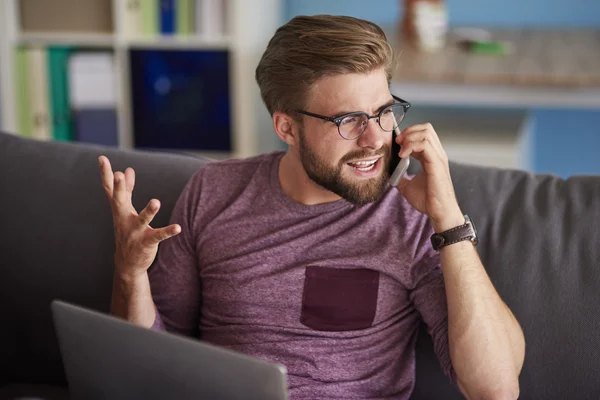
[{"x": 540, "y": 242}]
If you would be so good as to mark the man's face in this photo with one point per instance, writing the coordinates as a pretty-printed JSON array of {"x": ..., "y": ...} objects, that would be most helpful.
[{"x": 353, "y": 169}]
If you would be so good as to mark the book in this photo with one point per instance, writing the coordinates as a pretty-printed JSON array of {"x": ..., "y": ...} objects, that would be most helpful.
[
  {"x": 132, "y": 17},
  {"x": 22, "y": 92},
  {"x": 92, "y": 94},
  {"x": 38, "y": 93},
  {"x": 210, "y": 17},
  {"x": 184, "y": 23},
  {"x": 96, "y": 125},
  {"x": 60, "y": 113},
  {"x": 149, "y": 17},
  {"x": 182, "y": 99},
  {"x": 167, "y": 17}
]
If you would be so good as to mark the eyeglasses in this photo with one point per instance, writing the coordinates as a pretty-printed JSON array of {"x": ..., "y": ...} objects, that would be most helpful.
[{"x": 352, "y": 125}]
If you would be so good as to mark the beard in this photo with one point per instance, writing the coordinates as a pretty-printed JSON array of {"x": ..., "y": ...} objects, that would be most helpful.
[{"x": 359, "y": 191}]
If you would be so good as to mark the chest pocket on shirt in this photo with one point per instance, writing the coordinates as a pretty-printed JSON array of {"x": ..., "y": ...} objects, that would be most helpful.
[{"x": 337, "y": 299}]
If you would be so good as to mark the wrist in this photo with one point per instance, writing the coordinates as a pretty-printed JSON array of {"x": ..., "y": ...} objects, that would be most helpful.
[
  {"x": 449, "y": 221},
  {"x": 129, "y": 275}
]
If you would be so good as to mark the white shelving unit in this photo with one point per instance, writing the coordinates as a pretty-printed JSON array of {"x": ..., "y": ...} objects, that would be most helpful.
[{"x": 250, "y": 26}]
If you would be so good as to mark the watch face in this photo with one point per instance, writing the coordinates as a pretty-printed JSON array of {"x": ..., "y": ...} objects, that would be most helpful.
[{"x": 474, "y": 239}]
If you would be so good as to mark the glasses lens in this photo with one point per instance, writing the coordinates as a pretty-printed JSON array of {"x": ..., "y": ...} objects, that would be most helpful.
[
  {"x": 353, "y": 126},
  {"x": 391, "y": 117}
]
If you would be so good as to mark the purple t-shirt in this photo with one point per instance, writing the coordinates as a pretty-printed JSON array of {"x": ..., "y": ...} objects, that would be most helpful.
[{"x": 335, "y": 292}]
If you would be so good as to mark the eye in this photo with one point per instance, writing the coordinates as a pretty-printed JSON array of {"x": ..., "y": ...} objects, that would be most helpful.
[
  {"x": 349, "y": 120},
  {"x": 387, "y": 111}
]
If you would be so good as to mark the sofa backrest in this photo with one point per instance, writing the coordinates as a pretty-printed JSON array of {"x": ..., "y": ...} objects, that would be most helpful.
[
  {"x": 56, "y": 239},
  {"x": 540, "y": 244}
]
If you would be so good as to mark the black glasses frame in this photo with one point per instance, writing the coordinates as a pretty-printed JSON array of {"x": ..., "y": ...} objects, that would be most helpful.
[{"x": 338, "y": 120}]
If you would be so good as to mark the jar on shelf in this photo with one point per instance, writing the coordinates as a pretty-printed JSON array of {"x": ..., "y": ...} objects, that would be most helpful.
[{"x": 425, "y": 24}]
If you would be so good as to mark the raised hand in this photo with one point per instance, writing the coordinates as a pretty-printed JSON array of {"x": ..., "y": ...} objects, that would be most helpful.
[{"x": 136, "y": 242}]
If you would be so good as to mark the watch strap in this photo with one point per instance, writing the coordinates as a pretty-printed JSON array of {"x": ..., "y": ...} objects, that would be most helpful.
[{"x": 455, "y": 235}]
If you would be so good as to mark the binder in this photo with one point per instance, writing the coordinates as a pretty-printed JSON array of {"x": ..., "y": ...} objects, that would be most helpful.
[
  {"x": 92, "y": 93},
  {"x": 60, "y": 113},
  {"x": 22, "y": 92},
  {"x": 184, "y": 10},
  {"x": 167, "y": 17},
  {"x": 210, "y": 17},
  {"x": 149, "y": 17},
  {"x": 96, "y": 125},
  {"x": 132, "y": 17},
  {"x": 39, "y": 97}
]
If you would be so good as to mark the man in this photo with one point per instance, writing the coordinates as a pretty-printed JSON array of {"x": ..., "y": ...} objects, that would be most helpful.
[{"x": 309, "y": 257}]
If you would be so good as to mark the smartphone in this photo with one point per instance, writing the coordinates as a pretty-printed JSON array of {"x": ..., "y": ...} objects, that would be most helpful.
[{"x": 397, "y": 166}]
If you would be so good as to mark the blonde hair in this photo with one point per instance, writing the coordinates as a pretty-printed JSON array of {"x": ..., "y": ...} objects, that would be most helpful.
[{"x": 309, "y": 48}]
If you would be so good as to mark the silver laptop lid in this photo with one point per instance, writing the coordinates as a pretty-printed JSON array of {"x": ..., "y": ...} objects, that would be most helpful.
[{"x": 108, "y": 358}]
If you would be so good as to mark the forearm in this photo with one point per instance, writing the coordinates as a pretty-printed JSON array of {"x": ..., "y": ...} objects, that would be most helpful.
[
  {"x": 486, "y": 342},
  {"x": 132, "y": 299}
]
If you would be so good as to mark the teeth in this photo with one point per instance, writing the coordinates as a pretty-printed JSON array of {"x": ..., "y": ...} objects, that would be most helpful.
[{"x": 363, "y": 165}]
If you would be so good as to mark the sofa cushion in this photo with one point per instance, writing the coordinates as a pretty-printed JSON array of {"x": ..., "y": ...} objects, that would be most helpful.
[
  {"x": 57, "y": 242},
  {"x": 540, "y": 244}
]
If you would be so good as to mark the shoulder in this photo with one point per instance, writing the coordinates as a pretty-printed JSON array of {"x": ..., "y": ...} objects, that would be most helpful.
[
  {"x": 219, "y": 182},
  {"x": 233, "y": 172}
]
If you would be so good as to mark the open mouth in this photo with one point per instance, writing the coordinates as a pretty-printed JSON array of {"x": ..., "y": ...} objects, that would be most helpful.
[{"x": 364, "y": 165}]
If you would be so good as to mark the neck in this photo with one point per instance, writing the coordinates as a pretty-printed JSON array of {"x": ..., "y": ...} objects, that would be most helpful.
[{"x": 296, "y": 184}]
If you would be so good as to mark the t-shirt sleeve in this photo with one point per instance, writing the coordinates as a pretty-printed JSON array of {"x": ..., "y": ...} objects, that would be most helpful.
[
  {"x": 428, "y": 294},
  {"x": 174, "y": 276}
]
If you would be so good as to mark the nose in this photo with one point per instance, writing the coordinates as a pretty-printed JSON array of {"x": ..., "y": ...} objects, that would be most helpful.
[{"x": 373, "y": 137}]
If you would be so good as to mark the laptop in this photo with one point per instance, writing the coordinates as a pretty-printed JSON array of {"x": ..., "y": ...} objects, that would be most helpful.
[{"x": 109, "y": 358}]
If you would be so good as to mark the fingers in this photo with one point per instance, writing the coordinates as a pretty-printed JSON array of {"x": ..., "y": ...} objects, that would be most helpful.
[
  {"x": 129, "y": 180},
  {"x": 121, "y": 200},
  {"x": 427, "y": 127},
  {"x": 106, "y": 175},
  {"x": 424, "y": 143},
  {"x": 156, "y": 236},
  {"x": 149, "y": 212},
  {"x": 117, "y": 185}
]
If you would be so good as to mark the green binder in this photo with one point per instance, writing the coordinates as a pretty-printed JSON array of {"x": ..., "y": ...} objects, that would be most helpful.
[
  {"x": 149, "y": 14},
  {"x": 60, "y": 111},
  {"x": 184, "y": 22},
  {"x": 22, "y": 100}
]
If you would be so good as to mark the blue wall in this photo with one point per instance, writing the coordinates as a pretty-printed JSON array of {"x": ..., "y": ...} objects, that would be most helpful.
[
  {"x": 560, "y": 142},
  {"x": 569, "y": 13},
  {"x": 565, "y": 143}
]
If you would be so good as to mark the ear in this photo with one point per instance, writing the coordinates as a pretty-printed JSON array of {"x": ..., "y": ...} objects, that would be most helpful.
[{"x": 286, "y": 128}]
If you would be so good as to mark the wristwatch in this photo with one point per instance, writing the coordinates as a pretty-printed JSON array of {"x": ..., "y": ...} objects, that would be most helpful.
[{"x": 455, "y": 235}]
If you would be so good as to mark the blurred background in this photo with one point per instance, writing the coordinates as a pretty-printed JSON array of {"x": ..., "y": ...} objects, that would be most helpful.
[{"x": 505, "y": 83}]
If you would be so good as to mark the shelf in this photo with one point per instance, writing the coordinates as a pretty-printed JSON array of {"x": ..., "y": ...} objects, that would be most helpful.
[
  {"x": 54, "y": 38},
  {"x": 178, "y": 42},
  {"x": 103, "y": 40},
  {"x": 106, "y": 25}
]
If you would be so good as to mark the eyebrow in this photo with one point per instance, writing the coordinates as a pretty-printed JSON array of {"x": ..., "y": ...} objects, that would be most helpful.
[{"x": 389, "y": 103}]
